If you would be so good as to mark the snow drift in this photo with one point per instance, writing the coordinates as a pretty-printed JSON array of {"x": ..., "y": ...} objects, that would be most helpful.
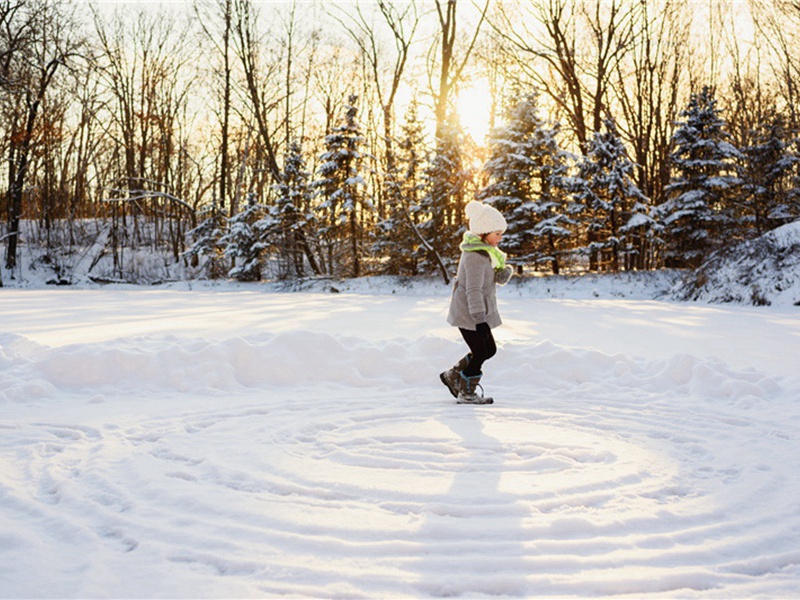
[
  {"x": 301, "y": 359},
  {"x": 761, "y": 272}
]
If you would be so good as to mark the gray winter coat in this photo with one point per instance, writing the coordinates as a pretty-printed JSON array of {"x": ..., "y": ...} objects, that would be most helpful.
[{"x": 474, "y": 298}]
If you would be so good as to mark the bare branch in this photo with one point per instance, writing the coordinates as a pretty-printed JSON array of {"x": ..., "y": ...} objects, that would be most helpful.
[{"x": 127, "y": 195}]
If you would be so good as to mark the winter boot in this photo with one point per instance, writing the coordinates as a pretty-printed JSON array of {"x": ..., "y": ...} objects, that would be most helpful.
[
  {"x": 452, "y": 377},
  {"x": 469, "y": 393}
]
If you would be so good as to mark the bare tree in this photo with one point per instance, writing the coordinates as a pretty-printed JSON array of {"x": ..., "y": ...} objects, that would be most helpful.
[
  {"x": 386, "y": 69},
  {"x": 451, "y": 63},
  {"x": 53, "y": 43},
  {"x": 778, "y": 23},
  {"x": 147, "y": 74},
  {"x": 216, "y": 20},
  {"x": 261, "y": 85},
  {"x": 17, "y": 23},
  {"x": 571, "y": 50},
  {"x": 331, "y": 76},
  {"x": 647, "y": 87},
  {"x": 144, "y": 69}
]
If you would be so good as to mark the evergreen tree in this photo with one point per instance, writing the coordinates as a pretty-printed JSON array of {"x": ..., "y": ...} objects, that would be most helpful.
[
  {"x": 206, "y": 242},
  {"x": 246, "y": 241},
  {"x": 341, "y": 186},
  {"x": 398, "y": 241},
  {"x": 526, "y": 172},
  {"x": 294, "y": 221},
  {"x": 612, "y": 205},
  {"x": 442, "y": 206},
  {"x": 769, "y": 194},
  {"x": 699, "y": 211},
  {"x": 793, "y": 196}
]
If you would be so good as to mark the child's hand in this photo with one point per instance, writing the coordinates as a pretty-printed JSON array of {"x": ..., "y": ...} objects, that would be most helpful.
[{"x": 502, "y": 276}]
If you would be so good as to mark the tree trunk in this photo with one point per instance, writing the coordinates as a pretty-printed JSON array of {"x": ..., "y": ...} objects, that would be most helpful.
[
  {"x": 554, "y": 253},
  {"x": 18, "y": 184},
  {"x": 226, "y": 109}
]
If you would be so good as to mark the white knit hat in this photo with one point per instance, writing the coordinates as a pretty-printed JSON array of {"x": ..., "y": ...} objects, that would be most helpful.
[{"x": 484, "y": 218}]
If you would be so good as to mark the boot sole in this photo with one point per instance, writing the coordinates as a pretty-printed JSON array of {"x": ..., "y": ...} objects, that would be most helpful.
[{"x": 481, "y": 401}]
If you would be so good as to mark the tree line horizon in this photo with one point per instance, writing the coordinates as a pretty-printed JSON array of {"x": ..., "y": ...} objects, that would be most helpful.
[{"x": 243, "y": 140}]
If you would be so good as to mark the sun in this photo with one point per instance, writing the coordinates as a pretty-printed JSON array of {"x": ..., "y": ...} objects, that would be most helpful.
[{"x": 474, "y": 105}]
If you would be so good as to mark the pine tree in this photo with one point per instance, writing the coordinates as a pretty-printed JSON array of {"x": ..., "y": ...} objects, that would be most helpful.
[
  {"x": 793, "y": 196},
  {"x": 526, "y": 172},
  {"x": 612, "y": 204},
  {"x": 769, "y": 195},
  {"x": 441, "y": 208},
  {"x": 291, "y": 212},
  {"x": 341, "y": 186},
  {"x": 246, "y": 240},
  {"x": 398, "y": 242},
  {"x": 206, "y": 242},
  {"x": 699, "y": 211}
]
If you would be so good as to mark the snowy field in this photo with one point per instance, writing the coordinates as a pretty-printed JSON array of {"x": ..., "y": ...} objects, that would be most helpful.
[{"x": 243, "y": 442}]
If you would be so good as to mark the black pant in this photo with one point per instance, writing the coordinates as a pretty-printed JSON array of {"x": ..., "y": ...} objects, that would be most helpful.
[{"x": 481, "y": 346}]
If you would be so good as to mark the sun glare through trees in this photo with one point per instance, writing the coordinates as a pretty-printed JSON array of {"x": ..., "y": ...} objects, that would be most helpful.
[{"x": 475, "y": 109}]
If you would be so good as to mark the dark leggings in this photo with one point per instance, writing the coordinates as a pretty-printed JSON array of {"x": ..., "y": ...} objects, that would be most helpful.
[{"x": 482, "y": 348}]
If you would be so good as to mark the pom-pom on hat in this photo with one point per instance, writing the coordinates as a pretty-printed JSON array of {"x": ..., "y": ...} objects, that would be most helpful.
[{"x": 484, "y": 218}]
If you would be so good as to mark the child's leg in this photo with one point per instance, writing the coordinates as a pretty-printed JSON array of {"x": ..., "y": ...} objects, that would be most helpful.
[{"x": 483, "y": 348}]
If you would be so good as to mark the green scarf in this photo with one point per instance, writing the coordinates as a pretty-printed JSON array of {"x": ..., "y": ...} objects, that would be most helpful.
[{"x": 473, "y": 243}]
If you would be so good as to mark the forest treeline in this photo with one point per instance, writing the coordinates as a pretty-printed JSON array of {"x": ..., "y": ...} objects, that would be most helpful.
[{"x": 233, "y": 138}]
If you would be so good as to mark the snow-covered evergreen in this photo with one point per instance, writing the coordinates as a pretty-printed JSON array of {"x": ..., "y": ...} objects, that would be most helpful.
[
  {"x": 397, "y": 242},
  {"x": 341, "y": 185},
  {"x": 526, "y": 171},
  {"x": 441, "y": 207},
  {"x": 206, "y": 249},
  {"x": 770, "y": 196},
  {"x": 700, "y": 210},
  {"x": 615, "y": 213},
  {"x": 246, "y": 240},
  {"x": 291, "y": 211}
]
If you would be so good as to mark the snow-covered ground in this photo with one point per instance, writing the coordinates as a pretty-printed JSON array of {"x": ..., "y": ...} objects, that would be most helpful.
[{"x": 239, "y": 441}]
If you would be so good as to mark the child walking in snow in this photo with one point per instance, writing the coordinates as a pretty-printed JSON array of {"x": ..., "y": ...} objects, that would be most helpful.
[{"x": 473, "y": 305}]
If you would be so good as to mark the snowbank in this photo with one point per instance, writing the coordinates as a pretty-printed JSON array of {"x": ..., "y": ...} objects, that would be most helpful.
[
  {"x": 635, "y": 285},
  {"x": 764, "y": 271},
  {"x": 148, "y": 365}
]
